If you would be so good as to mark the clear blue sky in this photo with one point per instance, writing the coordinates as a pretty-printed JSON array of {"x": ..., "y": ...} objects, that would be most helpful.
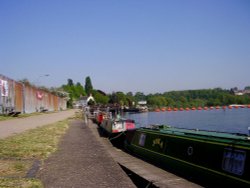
[{"x": 127, "y": 45}]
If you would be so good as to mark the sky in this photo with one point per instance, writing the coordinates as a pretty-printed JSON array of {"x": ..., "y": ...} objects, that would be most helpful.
[{"x": 151, "y": 46}]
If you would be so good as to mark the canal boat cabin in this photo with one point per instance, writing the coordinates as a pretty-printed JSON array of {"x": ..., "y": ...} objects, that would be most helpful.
[
  {"x": 213, "y": 157},
  {"x": 114, "y": 126}
]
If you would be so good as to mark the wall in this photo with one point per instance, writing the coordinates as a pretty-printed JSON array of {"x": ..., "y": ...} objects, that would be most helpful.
[{"x": 27, "y": 99}]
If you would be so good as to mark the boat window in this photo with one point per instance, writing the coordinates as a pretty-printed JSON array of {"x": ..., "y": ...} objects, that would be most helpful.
[
  {"x": 234, "y": 161},
  {"x": 142, "y": 139}
]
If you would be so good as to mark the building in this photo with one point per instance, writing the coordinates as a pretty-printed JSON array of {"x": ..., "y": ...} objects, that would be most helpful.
[
  {"x": 24, "y": 98},
  {"x": 84, "y": 101},
  {"x": 142, "y": 106}
]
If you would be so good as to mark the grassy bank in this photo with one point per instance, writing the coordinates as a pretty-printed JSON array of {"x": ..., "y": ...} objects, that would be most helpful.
[
  {"x": 6, "y": 117},
  {"x": 20, "y": 152}
]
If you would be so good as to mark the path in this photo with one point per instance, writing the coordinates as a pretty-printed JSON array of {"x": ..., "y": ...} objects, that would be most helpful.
[
  {"x": 82, "y": 161},
  {"x": 15, "y": 126}
]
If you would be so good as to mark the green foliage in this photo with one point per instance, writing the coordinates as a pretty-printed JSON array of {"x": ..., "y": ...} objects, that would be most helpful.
[
  {"x": 196, "y": 98},
  {"x": 17, "y": 153},
  {"x": 121, "y": 98},
  {"x": 100, "y": 98},
  {"x": 187, "y": 98},
  {"x": 75, "y": 91},
  {"x": 204, "y": 97},
  {"x": 139, "y": 96},
  {"x": 36, "y": 143},
  {"x": 247, "y": 88},
  {"x": 130, "y": 98},
  {"x": 20, "y": 182},
  {"x": 157, "y": 100},
  {"x": 79, "y": 90},
  {"x": 88, "y": 85},
  {"x": 118, "y": 98},
  {"x": 70, "y": 82}
]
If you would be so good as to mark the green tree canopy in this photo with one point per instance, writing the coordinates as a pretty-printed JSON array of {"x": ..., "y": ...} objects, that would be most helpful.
[
  {"x": 70, "y": 82},
  {"x": 187, "y": 98},
  {"x": 74, "y": 91},
  {"x": 88, "y": 85},
  {"x": 100, "y": 98}
]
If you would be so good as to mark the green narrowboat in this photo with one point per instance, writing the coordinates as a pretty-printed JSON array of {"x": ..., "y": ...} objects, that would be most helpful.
[{"x": 213, "y": 157}]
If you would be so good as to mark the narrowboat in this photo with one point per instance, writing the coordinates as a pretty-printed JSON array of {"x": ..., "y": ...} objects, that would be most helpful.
[
  {"x": 117, "y": 125},
  {"x": 216, "y": 158}
]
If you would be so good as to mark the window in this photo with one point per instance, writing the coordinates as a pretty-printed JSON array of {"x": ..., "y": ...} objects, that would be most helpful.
[{"x": 234, "y": 161}]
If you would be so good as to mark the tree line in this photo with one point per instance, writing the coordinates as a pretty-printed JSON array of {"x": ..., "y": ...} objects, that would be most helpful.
[
  {"x": 177, "y": 99},
  {"x": 197, "y": 98}
]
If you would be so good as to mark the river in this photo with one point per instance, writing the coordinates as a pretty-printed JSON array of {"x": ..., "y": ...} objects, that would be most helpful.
[{"x": 229, "y": 120}]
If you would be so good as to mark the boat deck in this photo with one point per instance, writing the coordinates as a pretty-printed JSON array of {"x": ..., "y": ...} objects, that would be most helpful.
[
  {"x": 206, "y": 135},
  {"x": 154, "y": 175}
]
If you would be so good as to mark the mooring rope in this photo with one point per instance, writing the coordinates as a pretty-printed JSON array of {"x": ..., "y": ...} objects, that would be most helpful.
[{"x": 117, "y": 136}]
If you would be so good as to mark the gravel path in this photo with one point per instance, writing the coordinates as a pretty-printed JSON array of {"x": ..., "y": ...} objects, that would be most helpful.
[
  {"x": 82, "y": 161},
  {"x": 15, "y": 126}
]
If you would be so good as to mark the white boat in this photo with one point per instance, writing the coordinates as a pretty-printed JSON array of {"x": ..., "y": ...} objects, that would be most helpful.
[{"x": 117, "y": 125}]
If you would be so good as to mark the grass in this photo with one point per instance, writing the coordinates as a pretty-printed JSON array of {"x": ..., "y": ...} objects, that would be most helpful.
[
  {"x": 18, "y": 153},
  {"x": 20, "y": 182},
  {"x": 14, "y": 168},
  {"x": 2, "y": 117},
  {"x": 6, "y": 117},
  {"x": 36, "y": 143}
]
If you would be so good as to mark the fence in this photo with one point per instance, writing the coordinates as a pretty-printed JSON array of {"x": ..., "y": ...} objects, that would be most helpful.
[{"x": 19, "y": 97}]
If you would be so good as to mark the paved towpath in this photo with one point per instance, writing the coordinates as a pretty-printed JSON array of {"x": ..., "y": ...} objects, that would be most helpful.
[
  {"x": 82, "y": 161},
  {"x": 15, "y": 126},
  {"x": 155, "y": 176}
]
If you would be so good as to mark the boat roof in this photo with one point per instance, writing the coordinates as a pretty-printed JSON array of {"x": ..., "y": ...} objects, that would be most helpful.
[
  {"x": 203, "y": 134},
  {"x": 123, "y": 119}
]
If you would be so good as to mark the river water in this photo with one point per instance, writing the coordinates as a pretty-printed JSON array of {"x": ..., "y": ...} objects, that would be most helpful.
[{"x": 229, "y": 120}]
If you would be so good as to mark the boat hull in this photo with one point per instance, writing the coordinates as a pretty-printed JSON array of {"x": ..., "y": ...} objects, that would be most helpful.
[
  {"x": 114, "y": 126},
  {"x": 116, "y": 130},
  {"x": 206, "y": 158}
]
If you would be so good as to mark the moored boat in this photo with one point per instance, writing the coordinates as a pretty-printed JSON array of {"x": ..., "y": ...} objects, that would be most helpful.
[
  {"x": 214, "y": 157},
  {"x": 117, "y": 125}
]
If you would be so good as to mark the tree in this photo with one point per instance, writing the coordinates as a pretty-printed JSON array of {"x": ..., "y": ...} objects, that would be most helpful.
[
  {"x": 139, "y": 96},
  {"x": 74, "y": 91},
  {"x": 88, "y": 85},
  {"x": 129, "y": 94},
  {"x": 121, "y": 97},
  {"x": 130, "y": 98},
  {"x": 157, "y": 100},
  {"x": 69, "y": 89},
  {"x": 113, "y": 98},
  {"x": 70, "y": 82},
  {"x": 79, "y": 90},
  {"x": 170, "y": 102},
  {"x": 100, "y": 98}
]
